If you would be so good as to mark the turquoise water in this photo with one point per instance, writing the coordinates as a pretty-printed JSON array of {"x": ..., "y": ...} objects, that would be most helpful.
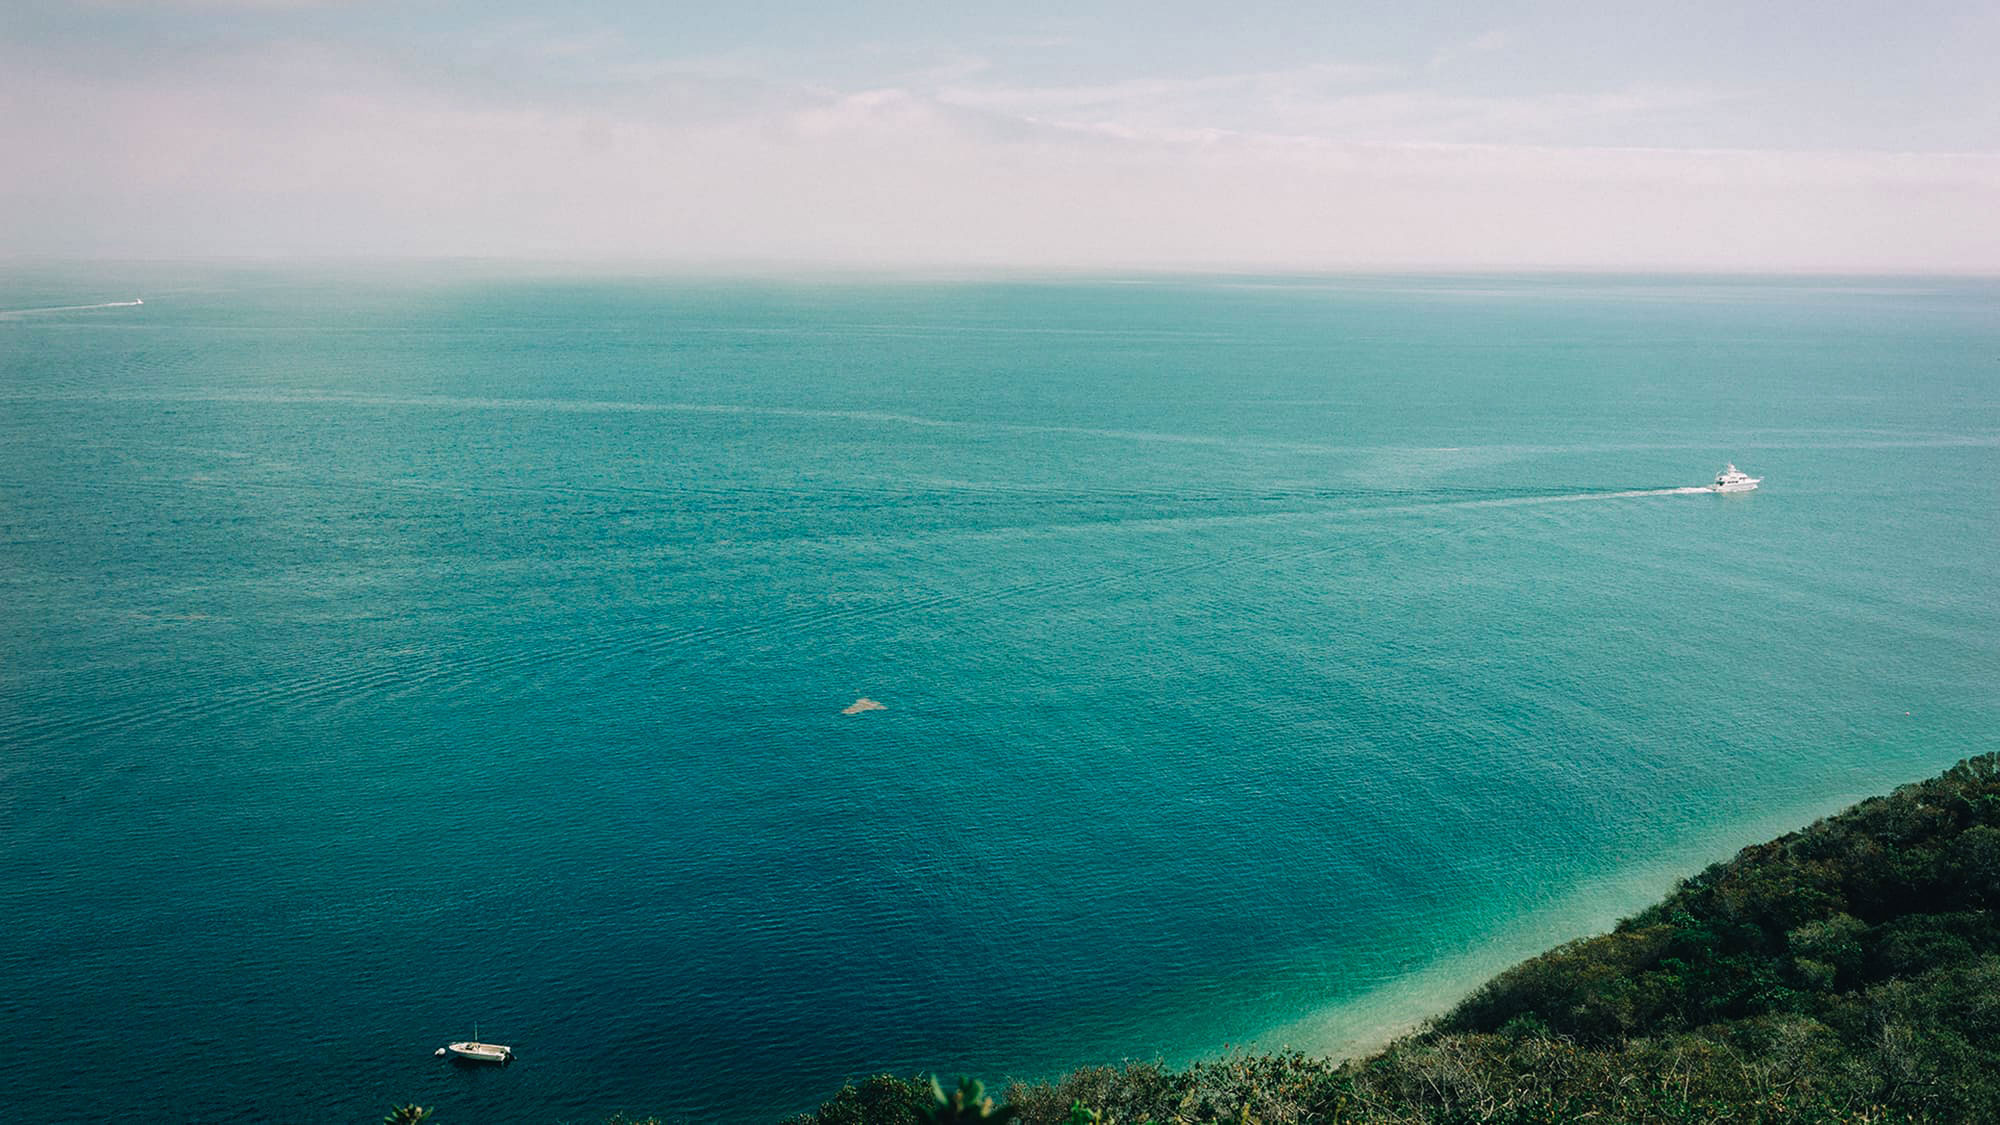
[{"x": 1263, "y": 659}]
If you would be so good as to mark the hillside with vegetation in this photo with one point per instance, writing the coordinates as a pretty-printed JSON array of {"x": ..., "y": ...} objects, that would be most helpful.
[{"x": 1848, "y": 972}]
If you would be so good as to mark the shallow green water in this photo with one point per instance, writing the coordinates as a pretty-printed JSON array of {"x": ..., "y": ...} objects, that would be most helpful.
[{"x": 1263, "y": 660}]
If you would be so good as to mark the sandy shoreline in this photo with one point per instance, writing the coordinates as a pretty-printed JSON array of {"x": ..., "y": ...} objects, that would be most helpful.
[{"x": 1368, "y": 1022}]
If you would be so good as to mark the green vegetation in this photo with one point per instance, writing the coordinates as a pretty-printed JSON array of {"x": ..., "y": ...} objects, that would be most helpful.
[
  {"x": 1849, "y": 972},
  {"x": 968, "y": 1103}
]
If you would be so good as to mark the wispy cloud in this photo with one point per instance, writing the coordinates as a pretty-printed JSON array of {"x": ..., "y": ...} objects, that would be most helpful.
[
  {"x": 1171, "y": 95},
  {"x": 1340, "y": 101},
  {"x": 1483, "y": 44}
]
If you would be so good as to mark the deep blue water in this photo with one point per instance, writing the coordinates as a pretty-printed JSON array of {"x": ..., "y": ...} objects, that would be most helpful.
[{"x": 386, "y": 650}]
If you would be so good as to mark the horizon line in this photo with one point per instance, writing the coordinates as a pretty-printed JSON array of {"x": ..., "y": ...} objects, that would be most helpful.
[{"x": 761, "y": 266}]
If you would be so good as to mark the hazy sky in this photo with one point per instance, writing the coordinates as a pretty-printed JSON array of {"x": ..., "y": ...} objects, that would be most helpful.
[{"x": 1742, "y": 135}]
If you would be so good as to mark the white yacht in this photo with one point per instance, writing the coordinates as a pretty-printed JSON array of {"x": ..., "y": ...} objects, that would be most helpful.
[{"x": 1733, "y": 479}]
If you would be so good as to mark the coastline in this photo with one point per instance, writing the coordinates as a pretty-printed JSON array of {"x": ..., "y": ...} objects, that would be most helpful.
[
  {"x": 1363, "y": 1025},
  {"x": 1840, "y": 972}
]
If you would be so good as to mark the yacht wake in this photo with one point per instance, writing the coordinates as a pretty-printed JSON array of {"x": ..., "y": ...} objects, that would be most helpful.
[
  {"x": 1578, "y": 497},
  {"x": 10, "y": 313}
]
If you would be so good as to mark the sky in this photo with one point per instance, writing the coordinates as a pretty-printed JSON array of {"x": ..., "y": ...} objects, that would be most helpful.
[{"x": 1764, "y": 136}]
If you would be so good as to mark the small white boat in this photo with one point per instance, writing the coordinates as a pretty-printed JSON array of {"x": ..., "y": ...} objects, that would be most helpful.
[
  {"x": 1733, "y": 479},
  {"x": 472, "y": 1050}
]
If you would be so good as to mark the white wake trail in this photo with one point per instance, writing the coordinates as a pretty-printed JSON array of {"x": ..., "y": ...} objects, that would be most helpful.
[
  {"x": 72, "y": 308},
  {"x": 1576, "y": 497}
]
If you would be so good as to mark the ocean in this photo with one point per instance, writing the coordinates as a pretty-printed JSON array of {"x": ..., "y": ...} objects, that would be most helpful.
[{"x": 1263, "y": 661}]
